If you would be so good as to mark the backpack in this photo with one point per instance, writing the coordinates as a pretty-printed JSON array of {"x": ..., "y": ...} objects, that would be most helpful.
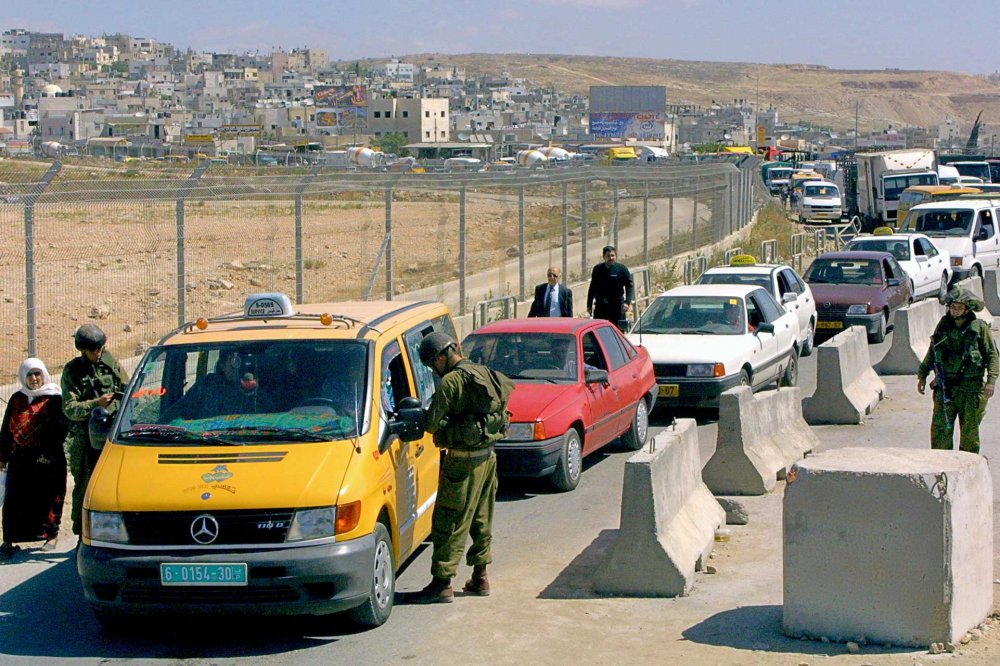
[{"x": 490, "y": 392}]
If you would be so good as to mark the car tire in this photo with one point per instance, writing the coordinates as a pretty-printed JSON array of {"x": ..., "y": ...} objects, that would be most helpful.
[
  {"x": 745, "y": 379},
  {"x": 879, "y": 335},
  {"x": 570, "y": 465},
  {"x": 913, "y": 292},
  {"x": 637, "y": 433},
  {"x": 942, "y": 294},
  {"x": 790, "y": 377},
  {"x": 376, "y": 609},
  {"x": 810, "y": 342}
]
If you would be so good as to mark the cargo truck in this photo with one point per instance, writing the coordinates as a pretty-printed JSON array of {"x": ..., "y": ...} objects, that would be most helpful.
[{"x": 882, "y": 177}]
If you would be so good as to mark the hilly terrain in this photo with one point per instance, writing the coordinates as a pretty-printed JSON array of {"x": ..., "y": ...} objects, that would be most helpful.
[{"x": 813, "y": 93}]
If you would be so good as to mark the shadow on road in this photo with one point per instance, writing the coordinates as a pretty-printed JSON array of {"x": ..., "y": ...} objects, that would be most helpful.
[
  {"x": 758, "y": 628},
  {"x": 576, "y": 580},
  {"x": 515, "y": 489},
  {"x": 47, "y": 616}
]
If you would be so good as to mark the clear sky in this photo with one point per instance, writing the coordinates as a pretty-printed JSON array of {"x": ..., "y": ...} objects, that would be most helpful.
[{"x": 849, "y": 34}]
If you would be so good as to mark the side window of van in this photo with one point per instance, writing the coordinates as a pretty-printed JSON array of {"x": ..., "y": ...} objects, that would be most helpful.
[
  {"x": 986, "y": 227},
  {"x": 395, "y": 383},
  {"x": 423, "y": 375}
]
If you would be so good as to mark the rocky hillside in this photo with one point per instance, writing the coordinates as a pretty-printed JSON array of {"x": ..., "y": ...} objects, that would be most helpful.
[{"x": 813, "y": 93}]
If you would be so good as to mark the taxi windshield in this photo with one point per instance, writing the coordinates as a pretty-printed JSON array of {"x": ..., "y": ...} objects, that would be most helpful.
[
  {"x": 899, "y": 248},
  {"x": 693, "y": 315},
  {"x": 247, "y": 392}
]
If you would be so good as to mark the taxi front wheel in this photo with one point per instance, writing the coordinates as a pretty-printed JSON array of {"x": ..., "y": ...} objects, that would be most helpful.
[{"x": 376, "y": 610}]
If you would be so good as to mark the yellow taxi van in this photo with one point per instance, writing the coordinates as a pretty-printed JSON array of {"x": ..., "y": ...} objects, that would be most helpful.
[
  {"x": 919, "y": 194},
  {"x": 268, "y": 461}
]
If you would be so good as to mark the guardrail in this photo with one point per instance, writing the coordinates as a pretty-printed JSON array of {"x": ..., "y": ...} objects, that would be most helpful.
[
  {"x": 732, "y": 253},
  {"x": 694, "y": 267},
  {"x": 483, "y": 309},
  {"x": 769, "y": 251},
  {"x": 643, "y": 283}
]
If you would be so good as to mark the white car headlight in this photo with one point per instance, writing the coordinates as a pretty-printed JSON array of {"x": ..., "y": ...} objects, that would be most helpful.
[
  {"x": 108, "y": 526},
  {"x": 858, "y": 309},
  {"x": 312, "y": 524},
  {"x": 701, "y": 370},
  {"x": 520, "y": 432}
]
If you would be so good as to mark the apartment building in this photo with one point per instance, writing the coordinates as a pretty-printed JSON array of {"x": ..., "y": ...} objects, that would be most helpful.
[{"x": 418, "y": 119}]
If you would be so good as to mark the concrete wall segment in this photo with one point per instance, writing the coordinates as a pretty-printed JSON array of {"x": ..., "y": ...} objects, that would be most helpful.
[
  {"x": 911, "y": 335},
  {"x": 847, "y": 388}
]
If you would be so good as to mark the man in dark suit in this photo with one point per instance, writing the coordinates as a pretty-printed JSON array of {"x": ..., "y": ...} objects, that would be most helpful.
[{"x": 552, "y": 299}]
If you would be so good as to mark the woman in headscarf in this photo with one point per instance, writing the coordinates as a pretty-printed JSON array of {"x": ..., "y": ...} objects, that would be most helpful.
[{"x": 31, "y": 450}]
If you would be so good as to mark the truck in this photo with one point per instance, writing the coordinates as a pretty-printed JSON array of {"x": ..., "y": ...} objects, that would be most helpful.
[{"x": 882, "y": 177}]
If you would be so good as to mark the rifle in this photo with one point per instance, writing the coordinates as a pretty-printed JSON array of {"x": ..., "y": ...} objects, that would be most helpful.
[{"x": 939, "y": 381}]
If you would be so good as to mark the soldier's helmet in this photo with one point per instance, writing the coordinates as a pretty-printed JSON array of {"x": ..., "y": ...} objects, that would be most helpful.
[
  {"x": 89, "y": 337},
  {"x": 432, "y": 345},
  {"x": 966, "y": 297}
]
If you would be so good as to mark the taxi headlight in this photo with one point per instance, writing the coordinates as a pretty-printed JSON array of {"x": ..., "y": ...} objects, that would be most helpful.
[
  {"x": 312, "y": 524},
  {"x": 520, "y": 432},
  {"x": 701, "y": 370},
  {"x": 108, "y": 526},
  {"x": 858, "y": 309}
]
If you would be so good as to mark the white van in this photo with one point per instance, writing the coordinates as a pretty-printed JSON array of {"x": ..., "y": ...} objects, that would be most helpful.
[
  {"x": 966, "y": 228},
  {"x": 947, "y": 175},
  {"x": 820, "y": 200}
]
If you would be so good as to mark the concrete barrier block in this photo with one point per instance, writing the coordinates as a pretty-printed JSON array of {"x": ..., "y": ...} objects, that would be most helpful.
[
  {"x": 893, "y": 544},
  {"x": 911, "y": 335},
  {"x": 668, "y": 520},
  {"x": 991, "y": 291},
  {"x": 847, "y": 388},
  {"x": 759, "y": 437}
]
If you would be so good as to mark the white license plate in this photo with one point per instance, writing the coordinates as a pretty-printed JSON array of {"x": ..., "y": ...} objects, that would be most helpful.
[{"x": 203, "y": 574}]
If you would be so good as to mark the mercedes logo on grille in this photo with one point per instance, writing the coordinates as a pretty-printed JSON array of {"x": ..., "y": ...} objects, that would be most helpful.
[{"x": 204, "y": 529}]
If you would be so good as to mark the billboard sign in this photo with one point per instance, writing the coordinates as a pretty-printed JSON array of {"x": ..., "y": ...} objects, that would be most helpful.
[
  {"x": 644, "y": 126},
  {"x": 351, "y": 118},
  {"x": 340, "y": 97},
  {"x": 236, "y": 131}
]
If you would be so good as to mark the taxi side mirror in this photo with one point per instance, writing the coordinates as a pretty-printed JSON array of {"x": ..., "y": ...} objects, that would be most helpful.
[
  {"x": 765, "y": 327},
  {"x": 408, "y": 421},
  {"x": 98, "y": 427},
  {"x": 789, "y": 297}
]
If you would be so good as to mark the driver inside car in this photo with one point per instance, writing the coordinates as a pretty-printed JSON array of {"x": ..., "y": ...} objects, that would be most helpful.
[{"x": 231, "y": 389}]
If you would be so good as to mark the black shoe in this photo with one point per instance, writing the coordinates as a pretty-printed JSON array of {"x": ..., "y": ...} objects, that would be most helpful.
[
  {"x": 438, "y": 591},
  {"x": 7, "y": 551}
]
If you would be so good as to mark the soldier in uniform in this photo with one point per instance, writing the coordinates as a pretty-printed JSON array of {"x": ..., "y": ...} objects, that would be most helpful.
[
  {"x": 468, "y": 482},
  {"x": 611, "y": 290},
  {"x": 961, "y": 353},
  {"x": 90, "y": 380}
]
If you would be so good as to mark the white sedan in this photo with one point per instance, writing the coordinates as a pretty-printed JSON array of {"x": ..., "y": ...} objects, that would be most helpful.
[
  {"x": 787, "y": 287},
  {"x": 706, "y": 339},
  {"x": 927, "y": 266}
]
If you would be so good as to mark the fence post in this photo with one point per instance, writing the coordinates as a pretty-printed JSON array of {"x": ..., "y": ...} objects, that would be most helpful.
[
  {"x": 583, "y": 231},
  {"x": 565, "y": 231},
  {"x": 694, "y": 214},
  {"x": 520, "y": 241},
  {"x": 645, "y": 224},
  {"x": 29, "y": 255},
  {"x": 388, "y": 249},
  {"x": 300, "y": 266},
  {"x": 181, "y": 266},
  {"x": 670, "y": 223},
  {"x": 461, "y": 250},
  {"x": 614, "y": 215}
]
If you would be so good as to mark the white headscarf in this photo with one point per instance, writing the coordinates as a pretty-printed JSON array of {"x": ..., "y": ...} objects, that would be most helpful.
[{"x": 47, "y": 388}]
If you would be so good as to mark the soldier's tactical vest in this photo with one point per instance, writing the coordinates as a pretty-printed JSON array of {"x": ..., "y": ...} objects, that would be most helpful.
[
  {"x": 488, "y": 419},
  {"x": 960, "y": 354}
]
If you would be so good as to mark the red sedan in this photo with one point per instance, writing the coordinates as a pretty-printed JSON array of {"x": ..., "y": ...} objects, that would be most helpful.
[{"x": 580, "y": 385}]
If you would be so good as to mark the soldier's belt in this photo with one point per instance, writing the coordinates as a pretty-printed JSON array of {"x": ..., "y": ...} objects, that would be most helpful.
[{"x": 478, "y": 454}]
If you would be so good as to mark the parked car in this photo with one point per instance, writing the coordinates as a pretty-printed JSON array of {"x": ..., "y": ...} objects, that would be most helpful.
[
  {"x": 580, "y": 386},
  {"x": 787, "y": 287},
  {"x": 928, "y": 268},
  {"x": 857, "y": 289},
  {"x": 707, "y": 338}
]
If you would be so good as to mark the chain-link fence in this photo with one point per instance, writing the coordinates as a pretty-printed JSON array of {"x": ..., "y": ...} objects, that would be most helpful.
[{"x": 138, "y": 251}]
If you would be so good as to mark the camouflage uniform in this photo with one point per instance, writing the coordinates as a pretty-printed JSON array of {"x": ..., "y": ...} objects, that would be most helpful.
[
  {"x": 966, "y": 351},
  {"x": 467, "y": 486},
  {"x": 83, "y": 383}
]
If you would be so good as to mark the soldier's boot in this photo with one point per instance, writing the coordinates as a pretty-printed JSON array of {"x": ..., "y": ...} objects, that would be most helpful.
[
  {"x": 438, "y": 591},
  {"x": 479, "y": 584}
]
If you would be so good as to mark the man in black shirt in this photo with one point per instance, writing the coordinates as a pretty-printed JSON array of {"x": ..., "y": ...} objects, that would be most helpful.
[{"x": 611, "y": 291}]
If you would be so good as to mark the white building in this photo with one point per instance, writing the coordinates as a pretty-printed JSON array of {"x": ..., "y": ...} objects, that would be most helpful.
[{"x": 418, "y": 119}]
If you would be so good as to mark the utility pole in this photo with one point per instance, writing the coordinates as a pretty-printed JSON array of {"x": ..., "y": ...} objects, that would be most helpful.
[{"x": 857, "y": 105}]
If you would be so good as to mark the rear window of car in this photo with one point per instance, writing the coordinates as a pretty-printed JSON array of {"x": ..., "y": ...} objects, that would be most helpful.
[
  {"x": 748, "y": 279},
  {"x": 845, "y": 271}
]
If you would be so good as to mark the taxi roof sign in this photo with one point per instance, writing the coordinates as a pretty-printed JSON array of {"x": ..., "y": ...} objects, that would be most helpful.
[
  {"x": 743, "y": 260},
  {"x": 883, "y": 231},
  {"x": 267, "y": 305}
]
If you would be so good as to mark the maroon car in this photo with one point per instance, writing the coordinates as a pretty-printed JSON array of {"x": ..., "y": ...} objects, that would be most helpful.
[
  {"x": 857, "y": 289},
  {"x": 580, "y": 385}
]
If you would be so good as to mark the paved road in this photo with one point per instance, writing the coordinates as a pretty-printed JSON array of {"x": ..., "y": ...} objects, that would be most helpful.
[{"x": 542, "y": 611}]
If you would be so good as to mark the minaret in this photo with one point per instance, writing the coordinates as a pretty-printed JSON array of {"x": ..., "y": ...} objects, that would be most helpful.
[{"x": 18, "y": 81}]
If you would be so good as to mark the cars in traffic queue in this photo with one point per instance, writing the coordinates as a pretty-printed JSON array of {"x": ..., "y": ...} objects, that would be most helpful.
[
  {"x": 579, "y": 385},
  {"x": 272, "y": 461},
  {"x": 858, "y": 288},
  {"x": 707, "y": 338},
  {"x": 928, "y": 268},
  {"x": 819, "y": 201},
  {"x": 966, "y": 228},
  {"x": 784, "y": 284}
]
